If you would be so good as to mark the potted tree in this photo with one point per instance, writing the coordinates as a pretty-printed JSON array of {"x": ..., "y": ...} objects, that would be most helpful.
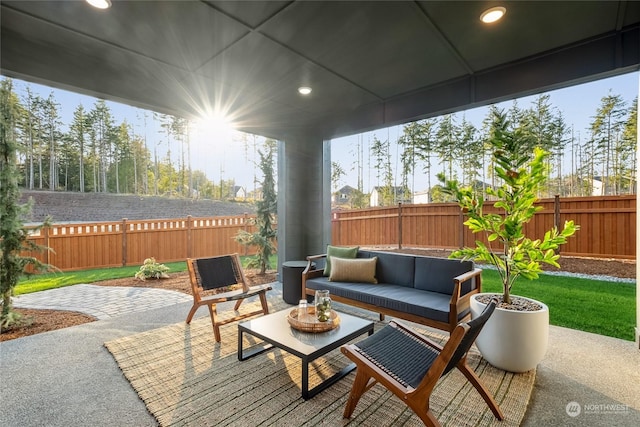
[{"x": 515, "y": 338}]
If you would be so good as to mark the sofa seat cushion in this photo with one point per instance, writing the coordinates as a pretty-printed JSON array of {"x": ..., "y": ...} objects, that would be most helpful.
[{"x": 432, "y": 305}]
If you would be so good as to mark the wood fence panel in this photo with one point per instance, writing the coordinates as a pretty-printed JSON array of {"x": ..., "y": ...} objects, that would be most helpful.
[
  {"x": 370, "y": 226},
  {"x": 435, "y": 226},
  {"x": 607, "y": 226},
  {"x": 164, "y": 240},
  {"x": 82, "y": 246},
  {"x": 216, "y": 236}
]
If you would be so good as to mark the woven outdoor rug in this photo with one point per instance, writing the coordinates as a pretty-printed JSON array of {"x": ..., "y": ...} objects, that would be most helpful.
[{"x": 185, "y": 378}]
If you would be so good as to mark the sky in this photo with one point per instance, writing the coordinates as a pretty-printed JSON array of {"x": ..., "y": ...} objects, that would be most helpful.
[
  {"x": 578, "y": 105},
  {"x": 218, "y": 150},
  {"x": 215, "y": 148}
]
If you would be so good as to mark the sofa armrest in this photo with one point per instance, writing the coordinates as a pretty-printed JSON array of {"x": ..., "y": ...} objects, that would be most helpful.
[
  {"x": 310, "y": 259},
  {"x": 460, "y": 303},
  {"x": 310, "y": 272},
  {"x": 474, "y": 275}
]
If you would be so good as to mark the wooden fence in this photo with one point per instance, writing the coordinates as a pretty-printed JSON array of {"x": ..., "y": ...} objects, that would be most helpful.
[
  {"x": 607, "y": 230},
  {"x": 81, "y": 246},
  {"x": 607, "y": 226}
]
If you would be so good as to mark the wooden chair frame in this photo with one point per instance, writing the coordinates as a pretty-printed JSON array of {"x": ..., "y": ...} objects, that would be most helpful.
[
  {"x": 368, "y": 374},
  {"x": 238, "y": 295}
]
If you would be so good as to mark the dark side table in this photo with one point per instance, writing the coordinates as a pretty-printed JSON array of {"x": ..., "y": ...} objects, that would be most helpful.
[{"x": 292, "y": 280}]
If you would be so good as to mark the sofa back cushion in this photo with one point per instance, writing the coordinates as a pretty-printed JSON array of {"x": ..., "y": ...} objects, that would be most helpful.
[
  {"x": 436, "y": 274},
  {"x": 394, "y": 269}
]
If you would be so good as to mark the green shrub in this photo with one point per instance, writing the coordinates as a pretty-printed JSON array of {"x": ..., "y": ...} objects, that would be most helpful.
[{"x": 150, "y": 269}]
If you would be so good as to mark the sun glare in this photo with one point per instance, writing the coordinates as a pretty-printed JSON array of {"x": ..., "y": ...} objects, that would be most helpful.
[
  {"x": 211, "y": 137},
  {"x": 214, "y": 124}
]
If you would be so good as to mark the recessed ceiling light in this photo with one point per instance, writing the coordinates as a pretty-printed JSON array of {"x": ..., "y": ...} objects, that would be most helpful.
[
  {"x": 100, "y": 4},
  {"x": 492, "y": 15},
  {"x": 304, "y": 90}
]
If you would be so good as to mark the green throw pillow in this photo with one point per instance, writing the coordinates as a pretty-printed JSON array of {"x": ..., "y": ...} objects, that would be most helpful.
[{"x": 339, "y": 252}]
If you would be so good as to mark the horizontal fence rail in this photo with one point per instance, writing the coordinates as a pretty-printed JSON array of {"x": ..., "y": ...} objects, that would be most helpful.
[
  {"x": 79, "y": 246},
  {"x": 607, "y": 226}
]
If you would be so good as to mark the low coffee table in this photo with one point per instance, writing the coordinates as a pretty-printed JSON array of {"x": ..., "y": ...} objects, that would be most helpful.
[{"x": 276, "y": 332}]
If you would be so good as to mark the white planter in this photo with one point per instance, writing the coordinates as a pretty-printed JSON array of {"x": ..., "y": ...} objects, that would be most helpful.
[{"x": 514, "y": 341}]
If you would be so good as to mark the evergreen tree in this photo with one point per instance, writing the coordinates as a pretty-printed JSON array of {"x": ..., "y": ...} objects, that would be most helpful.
[
  {"x": 77, "y": 137},
  {"x": 266, "y": 210},
  {"x": 408, "y": 157},
  {"x": 166, "y": 123},
  {"x": 425, "y": 145},
  {"x": 122, "y": 167},
  {"x": 52, "y": 123},
  {"x": 30, "y": 135},
  {"x": 101, "y": 144},
  {"x": 418, "y": 143},
  {"x": 560, "y": 135},
  {"x": 540, "y": 122},
  {"x": 379, "y": 152},
  {"x": 180, "y": 130},
  {"x": 13, "y": 235},
  {"x": 382, "y": 156},
  {"x": 38, "y": 108},
  {"x": 606, "y": 128},
  {"x": 470, "y": 150},
  {"x": 447, "y": 144},
  {"x": 140, "y": 159},
  {"x": 630, "y": 142}
]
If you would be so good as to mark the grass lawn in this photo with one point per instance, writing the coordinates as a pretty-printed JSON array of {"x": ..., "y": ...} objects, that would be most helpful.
[
  {"x": 42, "y": 282},
  {"x": 597, "y": 306},
  {"x": 600, "y": 307}
]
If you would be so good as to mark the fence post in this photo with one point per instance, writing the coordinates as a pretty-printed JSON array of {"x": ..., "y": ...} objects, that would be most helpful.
[
  {"x": 337, "y": 231},
  {"x": 556, "y": 213},
  {"x": 399, "y": 225},
  {"x": 124, "y": 242},
  {"x": 189, "y": 237},
  {"x": 47, "y": 256},
  {"x": 461, "y": 223},
  {"x": 245, "y": 221}
]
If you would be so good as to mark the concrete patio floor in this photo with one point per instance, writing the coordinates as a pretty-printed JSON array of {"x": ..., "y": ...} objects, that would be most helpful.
[{"x": 67, "y": 377}]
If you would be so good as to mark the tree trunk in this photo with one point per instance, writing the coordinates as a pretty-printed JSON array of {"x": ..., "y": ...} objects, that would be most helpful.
[{"x": 81, "y": 168}]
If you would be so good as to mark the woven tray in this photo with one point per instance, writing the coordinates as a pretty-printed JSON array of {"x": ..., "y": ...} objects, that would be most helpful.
[{"x": 311, "y": 323}]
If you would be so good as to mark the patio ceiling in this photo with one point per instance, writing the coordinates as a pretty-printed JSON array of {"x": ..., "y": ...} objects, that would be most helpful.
[{"x": 370, "y": 64}]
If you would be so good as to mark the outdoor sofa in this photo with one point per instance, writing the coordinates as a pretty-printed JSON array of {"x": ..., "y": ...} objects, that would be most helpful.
[{"x": 427, "y": 290}]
